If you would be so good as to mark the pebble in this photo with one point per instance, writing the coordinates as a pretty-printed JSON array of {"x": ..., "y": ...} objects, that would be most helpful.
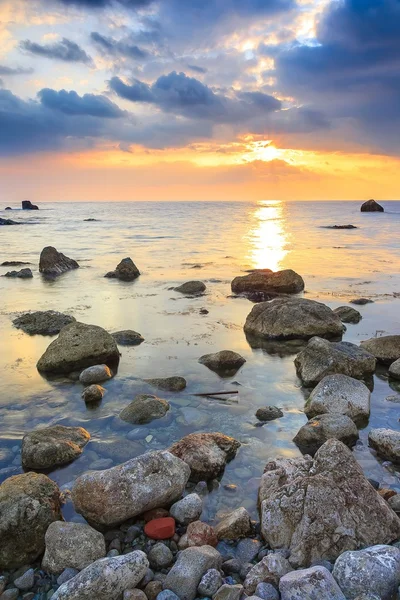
[
  {"x": 210, "y": 583},
  {"x": 113, "y": 552},
  {"x": 247, "y": 549},
  {"x": 187, "y": 510},
  {"x": 132, "y": 533},
  {"x": 160, "y": 529},
  {"x": 66, "y": 575},
  {"x": 134, "y": 595},
  {"x": 266, "y": 591},
  {"x": 11, "y": 594},
  {"x": 26, "y": 581},
  {"x": 152, "y": 589},
  {"x": 167, "y": 595},
  {"x": 160, "y": 556}
]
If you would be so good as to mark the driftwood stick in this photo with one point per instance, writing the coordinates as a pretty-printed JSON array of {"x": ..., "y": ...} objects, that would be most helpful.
[{"x": 208, "y": 394}]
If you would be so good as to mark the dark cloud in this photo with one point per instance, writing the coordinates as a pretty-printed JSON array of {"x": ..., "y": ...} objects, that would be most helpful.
[
  {"x": 124, "y": 47},
  {"x": 4, "y": 70},
  {"x": 65, "y": 50},
  {"x": 136, "y": 92},
  {"x": 197, "y": 69},
  {"x": 70, "y": 103}
]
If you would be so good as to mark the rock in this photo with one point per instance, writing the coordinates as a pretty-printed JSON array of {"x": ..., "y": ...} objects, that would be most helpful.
[
  {"x": 321, "y": 358},
  {"x": 8, "y": 222},
  {"x": 66, "y": 575},
  {"x": 371, "y": 206},
  {"x": 93, "y": 393},
  {"x": 42, "y": 322},
  {"x": 167, "y": 595},
  {"x": 209, "y": 583},
  {"x": 347, "y": 314},
  {"x": 292, "y": 318},
  {"x": 269, "y": 570},
  {"x": 53, "y": 263},
  {"x": 155, "y": 513},
  {"x": 325, "y": 427},
  {"x": 266, "y": 281},
  {"x": 229, "y": 592},
  {"x": 374, "y": 570},
  {"x": 160, "y": 529},
  {"x": 394, "y": 369},
  {"x": 340, "y": 395},
  {"x": 13, "y": 263},
  {"x": 95, "y": 374},
  {"x": 315, "y": 583},
  {"x": 321, "y": 508},
  {"x": 235, "y": 525},
  {"x": 340, "y": 227},
  {"x": 199, "y": 534},
  {"x": 8, "y": 208},
  {"x": 361, "y": 301},
  {"x": 112, "y": 496},
  {"x": 386, "y": 349},
  {"x": 25, "y": 581},
  {"x": 168, "y": 384},
  {"x": 394, "y": 503},
  {"x": 185, "y": 576},
  {"x": 128, "y": 337},
  {"x": 191, "y": 288},
  {"x": 152, "y": 589},
  {"x": 22, "y": 274},
  {"x": 10, "y": 594},
  {"x": 386, "y": 442},
  {"x": 134, "y": 594},
  {"x": 51, "y": 446},
  {"x": 27, "y": 205},
  {"x": 71, "y": 545},
  {"x": 269, "y": 413},
  {"x": 105, "y": 579},
  {"x": 206, "y": 453},
  {"x": 223, "y": 361},
  {"x": 160, "y": 557},
  {"x": 125, "y": 271},
  {"x": 144, "y": 409},
  {"x": 28, "y": 504},
  {"x": 187, "y": 510},
  {"x": 79, "y": 346},
  {"x": 247, "y": 550},
  {"x": 266, "y": 591}
]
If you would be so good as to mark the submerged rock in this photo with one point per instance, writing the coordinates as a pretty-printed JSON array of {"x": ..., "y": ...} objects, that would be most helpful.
[
  {"x": 186, "y": 574},
  {"x": 27, "y": 205},
  {"x": 223, "y": 361},
  {"x": 325, "y": 427},
  {"x": 51, "y": 446},
  {"x": 125, "y": 271},
  {"x": 371, "y": 206},
  {"x": 292, "y": 318},
  {"x": 22, "y": 274},
  {"x": 42, "y": 322},
  {"x": 28, "y": 504},
  {"x": 79, "y": 346},
  {"x": 266, "y": 281},
  {"x": 269, "y": 413},
  {"x": 53, "y": 263},
  {"x": 191, "y": 288},
  {"x": 144, "y": 409},
  {"x": 168, "y": 384},
  {"x": 315, "y": 583},
  {"x": 347, "y": 314},
  {"x": 128, "y": 337},
  {"x": 95, "y": 374},
  {"x": 321, "y": 358},
  {"x": 386, "y": 442},
  {"x": 112, "y": 496},
  {"x": 234, "y": 525},
  {"x": 394, "y": 369},
  {"x": 386, "y": 349}
]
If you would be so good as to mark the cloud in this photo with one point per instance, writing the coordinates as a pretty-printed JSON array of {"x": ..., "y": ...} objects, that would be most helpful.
[
  {"x": 104, "y": 3},
  {"x": 70, "y": 103},
  {"x": 65, "y": 50},
  {"x": 197, "y": 69},
  {"x": 4, "y": 70},
  {"x": 124, "y": 47}
]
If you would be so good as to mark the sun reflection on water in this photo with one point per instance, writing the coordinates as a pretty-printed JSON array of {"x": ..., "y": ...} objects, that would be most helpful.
[{"x": 268, "y": 238}]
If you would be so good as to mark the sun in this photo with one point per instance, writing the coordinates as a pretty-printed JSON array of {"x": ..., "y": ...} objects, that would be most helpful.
[{"x": 262, "y": 150}]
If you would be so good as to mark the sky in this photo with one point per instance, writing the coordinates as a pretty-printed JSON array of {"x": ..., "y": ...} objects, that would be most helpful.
[{"x": 113, "y": 100}]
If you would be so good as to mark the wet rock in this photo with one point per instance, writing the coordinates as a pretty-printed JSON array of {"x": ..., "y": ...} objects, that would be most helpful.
[
  {"x": 95, "y": 374},
  {"x": 206, "y": 453},
  {"x": 93, "y": 393},
  {"x": 125, "y": 271},
  {"x": 187, "y": 510},
  {"x": 347, "y": 314},
  {"x": 26, "y": 580},
  {"x": 168, "y": 384},
  {"x": 71, "y": 545},
  {"x": 144, "y": 409},
  {"x": 79, "y": 346},
  {"x": 229, "y": 592},
  {"x": 269, "y": 570},
  {"x": 234, "y": 525},
  {"x": 321, "y": 508},
  {"x": 128, "y": 337},
  {"x": 28, "y": 504},
  {"x": 371, "y": 206},
  {"x": 105, "y": 579},
  {"x": 192, "y": 563},
  {"x": 266, "y": 281},
  {"x": 266, "y": 591},
  {"x": 325, "y": 427},
  {"x": 27, "y": 205},
  {"x": 209, "y": 583},
  {"x": 223, "y": 361},
  {"x": 374, "y": 570},
  {"x": 321, "y": 358},
  {"x": 394, "y": 369},
  {"x": 315, "y": 583},
  {"x": 340, "y": 395},
  {"x": 112, "y": 496},
  {"x": 361, "y": 301},
  {"x": 269, "y": 413},
  {"x": 386, "y": 349},
  {"x": 198, "y": 534},
  {"x": 386, "y": 442},
  {"x": 51, "y": 446},
  {"x": 53, "y": 263},
  {"x": 47, "y": 322},
  {"x": 191, "y": 288},
  {"x": 22, "y": 274}
]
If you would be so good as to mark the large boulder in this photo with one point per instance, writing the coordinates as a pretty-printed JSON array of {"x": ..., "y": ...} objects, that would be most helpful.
[
  {"x": 27, "y": 205},
  {"x": 340, "y": 395},
  {"x": 225, "y": 361},
  {"x": 52, "y": 446},
  {"x": 386, "y": 349},
  {"x": 125, "y": 271},
  {"x": 319, "y": 508},
  {"x": 105, "y": 579},
  {"x": 292, "y": 318},
  {"x": 42, "y": 322},
  {"x": 348, "y": 314},
  {"x": 79, "y": 346},
  {"x": 325, "y": 427},
  {"x": 205, "y": 453},
  {"x": 371, "y": 206},
  {"x": 53, "y": 263},
  {"x": 315, "y": 583},
  {"x": 268, "y": 282},
  {"x": 321, "y": 358},
  {"x": 374, "y": 570},
  {"x": 386, "y": 442},
  {"x": 28, "y": 504},
  {"x": 144, "y": 409},
  {"x": 72, "y": 546},
  {"x": 192, "y": 563},
  {"x": 191, "y": 288},
  {"x": 112, "y": 496}
]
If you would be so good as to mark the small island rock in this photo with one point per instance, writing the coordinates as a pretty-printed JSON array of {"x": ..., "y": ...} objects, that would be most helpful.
[
  {"x": 191, "y": 288},
  {"x": 371, "y": 206},
  {"x": 223, "y": 361},
  {"x": 22, "y": 274},
  {"x": 266, "y": 281},
  {"x": 27, "y": 205},
  {"x": 128, "y": 337},
  {"x": 53, "y": 263},
  {"x": 125, "y": 271}
]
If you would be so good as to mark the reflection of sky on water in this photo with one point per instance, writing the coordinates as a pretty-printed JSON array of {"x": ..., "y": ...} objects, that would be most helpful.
[{"x": 268, "y": 238}]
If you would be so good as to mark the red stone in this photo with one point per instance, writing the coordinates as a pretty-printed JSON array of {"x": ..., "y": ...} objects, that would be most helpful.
[
  {"x": 201, "y": 534},
  {"x": 160, "y": 529},
  {"x": 156, "y": 513}
]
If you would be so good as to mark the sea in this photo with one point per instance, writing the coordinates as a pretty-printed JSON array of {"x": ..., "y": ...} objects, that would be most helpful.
[{"x": 174, "y": 242}]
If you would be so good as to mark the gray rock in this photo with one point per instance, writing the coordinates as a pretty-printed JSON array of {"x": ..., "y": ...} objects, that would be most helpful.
[
  {"x": 48, "y": 322},
  {"x": 269, "y": 570},
  {"x": 51, "y": 446},
  {"x": 112, "y": 496},
  {"x": 105, "y": 579},
  {"x": 22, "y": 274},
  {"x": 292, "y": 318},
  {"x": 72, "y": 545},
  {"x": 386, "y": 442},
  {"x": 394, "y": 369},
  {"x": 79, "y": 346},
  {"x": 266, "y": 591},
  {"x": 315, "y": 583},
  {"x": 223, "y": 361},
  {"x": 192, "y": 563},
  {"x": 374, "y": 570},
  {"x": 266, "y": 281},
  {"x": 191, "y": 288},
  {"x": 210, "y": 583},
  {"x": 371, "y": 206},
  {"x": 247, "y": 549},
  {"x": 321, "y": 358},
  {"x": 134, "y": 594},
  {"x": 11, "y": 593},
  {"x": 229, "y": 592},
  {"x": 3, "y": 583},
  {"x": 128, "y": 337},
  {"x": 168, "y": 384},
  {"x": 66, "y": 575},
  {"x": 269, "y": 413},
  {"x": 347, "y": 314},
  {"x": 25, "y": 581},
  {"x": 125, "y": 271},
  {"x": 167, "y": 595},
  {"x": 325, "y": 427},
  {"x": 361, "y": 301},
  {"x": 28, "y": 504},
  {"x": 340, "y": 395},
  {"x": 187, "y": 510},
  {"x": 160, "y": 556},
  {"x": 394, "y": 503},
  {"x": 93, "y": 393},
  {"x": 234, "y": 525},
  {"x": 319, "y": 508},
  {"x": 95, "y": 374},
  {"x": 386, "y": 349},
  {"x": 53, "y": 263},
  {"x": 144, "y": 409}
]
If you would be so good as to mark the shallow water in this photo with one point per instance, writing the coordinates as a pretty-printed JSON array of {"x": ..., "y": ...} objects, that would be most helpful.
[{"x": 172, "y": 243}]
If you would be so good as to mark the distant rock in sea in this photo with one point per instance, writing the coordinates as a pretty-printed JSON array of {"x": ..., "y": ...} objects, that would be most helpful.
[
  {"x": 8, "y": 208},
  {"x": 14, "y": 263},
  {"x": 339, "y": 227},
  {"x": 22, "y": 274},
  {"x": 27, "y": 205},
  {"x": 8, "y": 222},
  {"x": 125, "y": 271},
  {"x": 371, "y": 206}
]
